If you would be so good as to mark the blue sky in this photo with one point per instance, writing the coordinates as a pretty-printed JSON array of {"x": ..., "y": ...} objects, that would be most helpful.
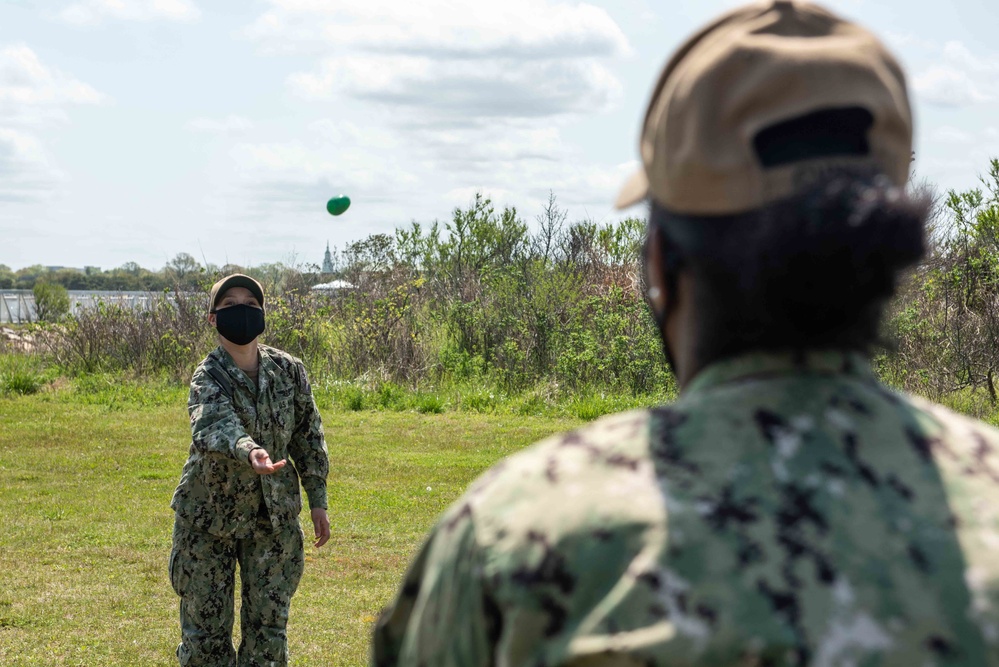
[{"x": 132, "y": 130}]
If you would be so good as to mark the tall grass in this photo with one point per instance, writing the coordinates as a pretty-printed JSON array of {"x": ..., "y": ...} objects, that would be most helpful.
[{"x": 23, "y": 374}]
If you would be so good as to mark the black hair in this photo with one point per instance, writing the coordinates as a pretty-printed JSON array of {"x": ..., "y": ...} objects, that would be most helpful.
[{"x": 813, "y": 271}]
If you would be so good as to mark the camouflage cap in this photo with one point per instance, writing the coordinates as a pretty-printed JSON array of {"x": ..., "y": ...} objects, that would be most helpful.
[
  {"x": 235, "y": 280},
  {"x": 754, "y": 69}
]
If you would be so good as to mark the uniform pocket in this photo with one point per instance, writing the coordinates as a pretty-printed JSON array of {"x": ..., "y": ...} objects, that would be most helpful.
[
  {"x": 282, "y": 418},
  {"x": 174, "y": 571}
]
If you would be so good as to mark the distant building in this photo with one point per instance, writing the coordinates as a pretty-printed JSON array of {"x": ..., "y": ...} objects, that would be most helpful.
[
  {"x": 328, "y": 260},
  {"x": 333, "y": 286}
]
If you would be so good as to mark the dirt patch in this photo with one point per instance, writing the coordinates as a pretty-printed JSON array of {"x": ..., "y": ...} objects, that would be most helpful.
[{"x": 17, "y": 341}]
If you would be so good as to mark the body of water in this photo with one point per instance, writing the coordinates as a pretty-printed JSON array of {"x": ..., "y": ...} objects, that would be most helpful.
[{"x": 18, "y": 306}]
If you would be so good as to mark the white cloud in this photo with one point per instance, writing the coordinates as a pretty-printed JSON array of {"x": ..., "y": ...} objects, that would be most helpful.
[
  {"x": 946, "y": 86},
  {"x": 448, "y": 59},
  {"x": 485, "y": 146},
  {"x": 33, "y": 99},
  {"x": 455, "y": 96},
  {"x": 957, "y": 77},
  {"x": 25, "y": 174},
  {"x": 340, "y": 133},
  {"x": 958, "y": 53},
  {"x": 25, "y": 83},
  {"x": 445, "y": 28},
  {"x": 229, "y": 124},
  {"x": 281, "y": 158},
  {"x": 93, "y": 12},
  {"x": 466, "y": 87},
  {"x": 902, "y": 40},
  {"x": 952, "y": 135}
]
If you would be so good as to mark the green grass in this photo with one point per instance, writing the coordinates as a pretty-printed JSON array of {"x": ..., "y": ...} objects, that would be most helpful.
[
  {"x": 22, "y": 374},
  {"x": 30, "y": 374},
  {"x": 478, "y": 398},
  {"x": 88, "y": 466},
  {"x": 87, "y": 474}
]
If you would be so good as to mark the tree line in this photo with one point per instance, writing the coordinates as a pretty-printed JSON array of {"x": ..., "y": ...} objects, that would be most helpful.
[{"x": 183, "y": 272}]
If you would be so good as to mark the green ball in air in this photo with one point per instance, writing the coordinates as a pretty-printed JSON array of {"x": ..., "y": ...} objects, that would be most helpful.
[{"x": 338, "y": 204}]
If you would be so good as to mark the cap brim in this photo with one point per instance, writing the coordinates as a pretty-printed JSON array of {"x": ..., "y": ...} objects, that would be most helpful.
[
  {"x": 635, "y": 189},
  {"x": 240, "y": 281}
]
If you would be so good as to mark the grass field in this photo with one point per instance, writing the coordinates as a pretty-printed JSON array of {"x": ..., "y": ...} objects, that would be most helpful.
[{"x": 85, "y": 484}]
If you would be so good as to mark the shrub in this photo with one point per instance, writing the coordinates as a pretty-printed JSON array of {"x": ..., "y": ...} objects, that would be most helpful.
[
  {"x": 429, "y": 404},
  {"x": 51, "y": 301},
  {"x": 19, "y": 382},
  {"x": 21, "y": 374}
]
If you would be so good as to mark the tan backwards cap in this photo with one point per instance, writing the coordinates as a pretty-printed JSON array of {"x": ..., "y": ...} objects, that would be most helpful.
[{"x": 751, "y": 69}]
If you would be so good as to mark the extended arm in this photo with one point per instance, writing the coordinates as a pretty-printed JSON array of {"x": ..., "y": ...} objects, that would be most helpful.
[{"x": 215, "y": 427}]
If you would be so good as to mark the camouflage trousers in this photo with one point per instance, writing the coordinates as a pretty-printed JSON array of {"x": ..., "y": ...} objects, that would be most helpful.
[{"x": 202, "y": 572}]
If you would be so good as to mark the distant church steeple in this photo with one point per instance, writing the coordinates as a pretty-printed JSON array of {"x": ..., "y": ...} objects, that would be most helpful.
[{"x": 327, "y": 260}]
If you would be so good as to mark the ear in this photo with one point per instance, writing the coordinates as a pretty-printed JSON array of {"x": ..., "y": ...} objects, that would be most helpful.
[
  {"x": 211, "y": 319},
  {"x": 655, "y": 290}
]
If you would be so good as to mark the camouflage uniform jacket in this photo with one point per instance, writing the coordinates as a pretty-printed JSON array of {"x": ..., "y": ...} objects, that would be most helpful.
[
  {"x": 219, "y": 491},
  {"x": 786, "y": 510}
]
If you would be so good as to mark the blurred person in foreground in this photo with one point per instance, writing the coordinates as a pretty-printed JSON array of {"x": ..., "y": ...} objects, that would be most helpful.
[
  {"x": 238, "y": 500},
  {"x": 787, "y": 509}
]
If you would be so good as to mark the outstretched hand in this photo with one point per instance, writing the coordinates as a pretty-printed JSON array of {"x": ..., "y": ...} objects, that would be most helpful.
[
  {"x": 322, "y": 525},
  {"x": 261, "y": 462}
]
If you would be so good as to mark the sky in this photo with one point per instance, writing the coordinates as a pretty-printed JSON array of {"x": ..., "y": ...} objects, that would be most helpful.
[{"x": 134, "y": 130}]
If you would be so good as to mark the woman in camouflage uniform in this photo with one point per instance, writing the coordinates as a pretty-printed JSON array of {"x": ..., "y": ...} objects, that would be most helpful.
[
  {"x": 238, "y": 500},
  {"x": 787, "y": 509}
]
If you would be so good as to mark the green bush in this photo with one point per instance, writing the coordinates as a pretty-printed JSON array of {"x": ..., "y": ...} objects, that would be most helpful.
[
  {"x": 479, "y": 400},
  {"x": 19, "y": 382},
  {"x": 390, "y": 396},
  {"x": 429, "y": 404},
  {"x": 353, "y": 399},
  {"x": 51, "y": 301},
  {"x": 22, "y": 374},
  {"x": 531, "y": 405}
]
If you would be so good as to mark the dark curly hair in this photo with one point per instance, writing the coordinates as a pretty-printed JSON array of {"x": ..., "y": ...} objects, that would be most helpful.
[{"x": 810, "y": 272}]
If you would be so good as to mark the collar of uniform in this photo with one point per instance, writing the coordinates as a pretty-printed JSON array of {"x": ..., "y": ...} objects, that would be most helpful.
[
  {"x": 762, "y": 364},
  {"x": 235, "y": 371}
]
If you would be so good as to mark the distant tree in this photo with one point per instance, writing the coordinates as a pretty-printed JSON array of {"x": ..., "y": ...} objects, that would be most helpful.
[
  {"x": 51, "y": 301},
  {"x": 183, "y": 270},
  {"x": 7, "y": 277},
  {"x": 25, "y": 278},
  {"x": 131, "y": 268},
  {"x": 946, "y": 320},
  {"x": 551, "y": 221},
  {"x": 69, "y": 278}
]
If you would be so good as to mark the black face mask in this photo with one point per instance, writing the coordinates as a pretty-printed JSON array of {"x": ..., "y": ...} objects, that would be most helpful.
[{"x": 239, "y": 324}]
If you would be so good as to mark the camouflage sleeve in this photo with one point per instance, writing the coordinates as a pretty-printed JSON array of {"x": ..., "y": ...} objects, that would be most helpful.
[
  {"x": 308, "y": 445},
  {"x": 443, "y": 590},
  {"x": 214, "y": 424}
]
